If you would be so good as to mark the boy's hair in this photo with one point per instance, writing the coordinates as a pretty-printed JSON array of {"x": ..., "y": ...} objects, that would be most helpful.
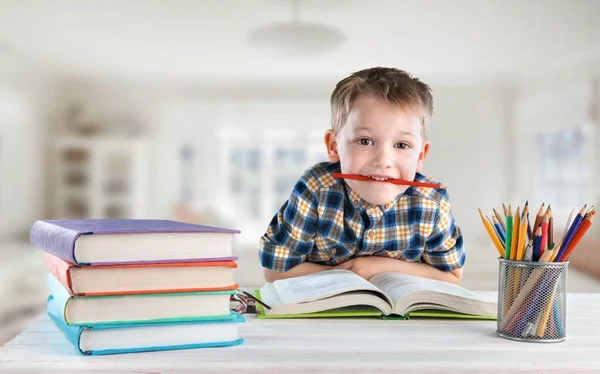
[{"x": 392, "y": 85}]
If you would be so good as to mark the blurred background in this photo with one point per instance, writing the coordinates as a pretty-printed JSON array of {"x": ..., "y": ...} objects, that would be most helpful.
[{"x": 209, "y": 111}]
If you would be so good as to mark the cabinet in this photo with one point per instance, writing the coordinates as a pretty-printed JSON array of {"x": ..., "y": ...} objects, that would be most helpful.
[{"x": 100, "y": 177}]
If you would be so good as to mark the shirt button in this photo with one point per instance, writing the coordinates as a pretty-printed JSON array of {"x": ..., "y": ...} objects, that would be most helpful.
[
  {"x": 387, "y": 206},
  {"x": 371, "y": 233},
  {"x": 355, "y": 202},
  {"x": 333, "y": 252}
]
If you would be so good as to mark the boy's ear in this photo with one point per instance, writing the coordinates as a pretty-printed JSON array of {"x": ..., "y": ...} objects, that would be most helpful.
[
  {"x": 422, "y": 156},
  {"x": 331, "y": 145}
]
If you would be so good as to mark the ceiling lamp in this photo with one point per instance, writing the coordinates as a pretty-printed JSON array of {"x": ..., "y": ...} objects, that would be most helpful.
[{"x": 296, "y": 38}]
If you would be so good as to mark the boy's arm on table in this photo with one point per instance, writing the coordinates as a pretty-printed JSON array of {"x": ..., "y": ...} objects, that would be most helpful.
[
  {"x": 298, "y": 270},
  {"x": 367, "y": 267},
  {"x": 289, "y": 239}
]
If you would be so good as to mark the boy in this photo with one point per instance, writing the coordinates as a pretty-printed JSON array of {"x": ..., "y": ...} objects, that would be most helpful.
[{"x": 380, "y": 121}]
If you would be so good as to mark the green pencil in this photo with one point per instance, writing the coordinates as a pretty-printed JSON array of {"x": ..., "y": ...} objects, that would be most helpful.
[{"x": 509, "y": 229}]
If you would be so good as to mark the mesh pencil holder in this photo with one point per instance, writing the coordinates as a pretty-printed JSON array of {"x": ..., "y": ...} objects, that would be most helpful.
[{"x": 532, "y": 301}]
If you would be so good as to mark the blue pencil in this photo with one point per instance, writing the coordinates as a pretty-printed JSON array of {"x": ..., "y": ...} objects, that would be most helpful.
[
  {"x": 537, "y": 241},
  {"x": 500, "y": 231},
  {"x": 557, "y": 321},
  {"x": 571, "y": 232}
]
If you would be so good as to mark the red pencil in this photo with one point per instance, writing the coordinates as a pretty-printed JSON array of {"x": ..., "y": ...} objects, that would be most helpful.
[
  {"x": 544, "y": 225},
  {"x": 585, "y": 225},
  {"x": 393, "y": 181}
]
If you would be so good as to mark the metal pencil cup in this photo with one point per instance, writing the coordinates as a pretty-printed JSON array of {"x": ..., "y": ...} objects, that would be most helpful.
[{"x": 532, "y": 301}]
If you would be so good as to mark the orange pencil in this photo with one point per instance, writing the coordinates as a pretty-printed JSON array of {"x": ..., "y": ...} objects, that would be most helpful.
[
  {"x": 492, "y": 233},
  {"x": 592, "y": 209},
  {"x": 555, "y": 251},
  {"x": 585, "y": 225},
  {"x": 538, "y": 218}
]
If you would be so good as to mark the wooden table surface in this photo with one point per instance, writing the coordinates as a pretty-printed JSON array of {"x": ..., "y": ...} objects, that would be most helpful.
[{"x": 337, "y": 345}]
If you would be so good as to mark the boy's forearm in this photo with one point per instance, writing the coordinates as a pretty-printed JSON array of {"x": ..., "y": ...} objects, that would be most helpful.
[
  {"x": 418, "y": 269},
  {"x": 421, "y": 269},
  {"x": 298, "y": 270}
]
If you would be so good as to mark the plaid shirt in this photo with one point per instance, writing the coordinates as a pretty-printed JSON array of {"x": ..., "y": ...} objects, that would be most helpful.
[{"x": 327, "y": 223}]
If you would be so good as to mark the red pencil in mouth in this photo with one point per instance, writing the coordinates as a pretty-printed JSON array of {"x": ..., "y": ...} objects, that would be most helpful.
[{"x": 390, "y": 180}]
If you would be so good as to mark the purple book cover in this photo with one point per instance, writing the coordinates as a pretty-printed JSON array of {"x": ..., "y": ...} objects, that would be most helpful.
[{"x": 58, "y": 236}]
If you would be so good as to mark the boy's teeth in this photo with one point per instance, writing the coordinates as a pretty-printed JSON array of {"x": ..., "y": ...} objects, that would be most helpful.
[{"x": 379, "y": 178}]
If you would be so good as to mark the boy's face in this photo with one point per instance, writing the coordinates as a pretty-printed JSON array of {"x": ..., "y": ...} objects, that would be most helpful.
[{"x": 380, "y": 141}]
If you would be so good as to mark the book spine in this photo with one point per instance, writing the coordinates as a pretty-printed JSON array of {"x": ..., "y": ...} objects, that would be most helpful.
[
  {"x": 54, "y": 239},
  {"x": 168, "y": 348},
  {"x": 60, "y": 270},
  {"x": 72, "y": 333},
  {"x": 61, "y": 296}
]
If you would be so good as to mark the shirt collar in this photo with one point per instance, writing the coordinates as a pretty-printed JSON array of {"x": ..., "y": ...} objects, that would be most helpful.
[{"x": 358, "y": 202}]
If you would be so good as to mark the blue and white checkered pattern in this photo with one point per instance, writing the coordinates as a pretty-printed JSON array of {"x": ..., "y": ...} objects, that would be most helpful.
[{"x": 327, "y": 223}]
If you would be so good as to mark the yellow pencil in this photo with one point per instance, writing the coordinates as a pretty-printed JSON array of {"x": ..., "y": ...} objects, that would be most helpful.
[
  {"x": 555, "y": 251},
  {"x": 515, "y": 234},
  {"x": 547, "y": 256},
  {"x": 492, "y": 233},
  {"x": 542, "y": 325},
  {"x": 522, "y": 243}
]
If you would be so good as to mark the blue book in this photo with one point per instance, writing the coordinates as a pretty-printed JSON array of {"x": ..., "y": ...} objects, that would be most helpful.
[{"x": 125, "y": 338}]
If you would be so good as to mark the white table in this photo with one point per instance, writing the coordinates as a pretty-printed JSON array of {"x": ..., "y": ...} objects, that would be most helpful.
[{"x": 330, "y": 345}]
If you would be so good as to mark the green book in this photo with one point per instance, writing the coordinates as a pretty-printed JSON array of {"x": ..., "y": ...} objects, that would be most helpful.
[
  {"x": 343, "y": 294},
  {"x": 140, "y": 308}
]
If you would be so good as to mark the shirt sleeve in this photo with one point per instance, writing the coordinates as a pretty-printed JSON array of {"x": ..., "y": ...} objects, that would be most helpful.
[
  {"x": 290, "y": 235},
  {"x": 444, "y": 248}
]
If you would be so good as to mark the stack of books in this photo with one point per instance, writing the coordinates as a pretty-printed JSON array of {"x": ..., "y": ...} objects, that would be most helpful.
[{"x": 119, "y": 286}]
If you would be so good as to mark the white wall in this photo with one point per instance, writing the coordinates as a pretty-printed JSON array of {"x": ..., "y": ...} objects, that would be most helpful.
[
  {"x": 557, "y": 99},
  {"x": 469, "y": 135},
  {"x": 469, "y": 132},
  {"x": 23, "y": 106}
]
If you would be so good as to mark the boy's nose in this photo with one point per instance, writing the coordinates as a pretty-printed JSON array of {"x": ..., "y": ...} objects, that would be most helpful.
[{"x": 383, "y": 157}]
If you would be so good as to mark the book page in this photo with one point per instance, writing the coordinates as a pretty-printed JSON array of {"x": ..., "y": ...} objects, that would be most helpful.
[
  {"x": 415, "y": 293},
  {"x": 398, "y": 285},
  {"x": 320, "y": 285}
]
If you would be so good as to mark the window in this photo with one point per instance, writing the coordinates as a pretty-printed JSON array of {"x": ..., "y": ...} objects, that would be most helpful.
[
  {"x": 261, "y": 176},
  {"x": 565, "y": 163},
  {"x": 245, "y": 182}
]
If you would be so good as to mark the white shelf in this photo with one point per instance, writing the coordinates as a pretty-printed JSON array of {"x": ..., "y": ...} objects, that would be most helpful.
[{"x": 84, "y": 167}]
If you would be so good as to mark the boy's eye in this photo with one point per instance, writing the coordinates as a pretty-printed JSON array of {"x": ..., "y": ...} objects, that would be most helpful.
[
  {"x": 402, "y": 145},
  {"x": 365, "y": 141}
]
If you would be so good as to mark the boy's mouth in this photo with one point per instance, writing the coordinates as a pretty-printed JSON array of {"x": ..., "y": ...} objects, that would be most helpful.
[{"x": 379, "y": 178}]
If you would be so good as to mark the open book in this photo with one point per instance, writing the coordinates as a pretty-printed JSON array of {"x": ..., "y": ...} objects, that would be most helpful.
[{"x": 342, "y": 293}]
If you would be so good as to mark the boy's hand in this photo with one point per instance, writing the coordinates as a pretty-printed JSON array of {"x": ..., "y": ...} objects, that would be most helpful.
[{"x": 366, "y": 267}]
